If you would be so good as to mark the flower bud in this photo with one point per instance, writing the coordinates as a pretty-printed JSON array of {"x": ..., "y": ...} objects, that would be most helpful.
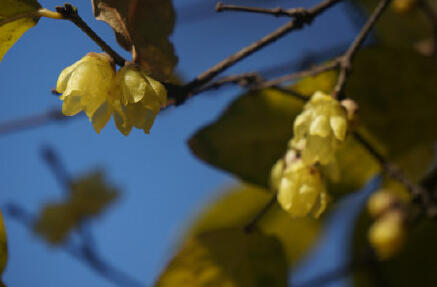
[
  {"x": 403, "y": 6},
  {"x": 301, "y": 190},
  {"x": 380, "y": 202},
  {"x": 387, "y": 234}
]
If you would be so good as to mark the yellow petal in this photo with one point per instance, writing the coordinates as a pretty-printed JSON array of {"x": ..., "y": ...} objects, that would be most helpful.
[
  {"x": 72, "y": 104},
  {"x": 339, "y": 126},
  {"x": 320, "y": 126},
  {"x": 101, "y": 117}
]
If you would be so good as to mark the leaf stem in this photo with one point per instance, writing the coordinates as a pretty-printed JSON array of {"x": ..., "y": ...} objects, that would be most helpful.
[{"x": 250, "y": 227}]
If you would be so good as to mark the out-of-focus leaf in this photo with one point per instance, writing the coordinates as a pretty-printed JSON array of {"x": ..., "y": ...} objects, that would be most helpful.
[
  {"x": 413, "y": 266},
  {"x": 400, "y": 29},
  {"x": 250, "y": 135},
  {"x": 89, "y": 196},
  {"x": 237, "y": 206},
  {"x": 143, "y": 28},
  {"x": 55, "y": 222},
  {"x": 227, "y": 258},
  {"x": 3, "y": 246},
  {"x": 16, "y": 17}
]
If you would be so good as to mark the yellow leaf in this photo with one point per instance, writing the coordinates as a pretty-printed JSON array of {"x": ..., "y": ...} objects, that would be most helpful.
[
  {"x": 236, "y": 207},
  {"x": 227, "y": 258},
  {"x": 16, "y": 17}
]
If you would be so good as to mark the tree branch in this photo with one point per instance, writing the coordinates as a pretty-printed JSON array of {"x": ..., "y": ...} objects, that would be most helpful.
[
  {"x": 306, "y": 16},
  {"x": 220, "y": 7},
  {"x": 70, "y": 13},
  {"x": 347, "y": 58},
  {"x": 82, "y": 252}
]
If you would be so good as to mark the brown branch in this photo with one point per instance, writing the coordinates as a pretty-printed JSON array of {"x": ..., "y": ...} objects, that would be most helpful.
[
  {"x": 291, "y": 77},
  {"x": 244, "y": 80},
  {"x": 220, "y": 7},
  {"x": 69, "y": 12},
  {"x": 347, "y": 58},
  {"x": 306, "y": 16}
]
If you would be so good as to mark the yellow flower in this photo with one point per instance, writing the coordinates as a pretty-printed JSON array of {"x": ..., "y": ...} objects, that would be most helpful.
[
  {"x": 320, "y": 129},
  {"x": 91, "y": 85},
  {"x": 387, "y": 234},
  {"x": 137, "y": 99},
  {"x": 85, "y": 85},
  {"x": 301, "y": 190},
  {"x": 381, "y": 202}
]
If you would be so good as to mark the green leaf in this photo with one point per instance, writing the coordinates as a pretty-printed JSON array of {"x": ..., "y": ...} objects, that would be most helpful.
[
  {"x": 236, "y": 207},
  {"x": 227, "y": 257},
  {"x": 143, "y": 28},
  {"x": 250, "y": 135},
  {"x": 16, "y": 17},
  {"x": 3, "y": 246},
  {"x": 413, "y": 266}
]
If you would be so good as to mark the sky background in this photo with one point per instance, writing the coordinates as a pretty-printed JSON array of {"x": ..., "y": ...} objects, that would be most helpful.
[{"x": 163, "y": 184}]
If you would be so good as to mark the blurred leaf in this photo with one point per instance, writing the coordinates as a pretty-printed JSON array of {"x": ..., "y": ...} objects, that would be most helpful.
[
  {"x": 250, "y": 135},
  {"x": 227, "y": 258},
  {"x": 413, "y": 266},
  {"x": 237, "y": 206},
  {"x": 143, "y": 28},
  {"x": 89, "y": 196},
  {"x": 3, "y": 246},
  {"x": 55, "y": 222},
  {"x": 398, "y": 29},
  {"x": 16, "y": 17}
]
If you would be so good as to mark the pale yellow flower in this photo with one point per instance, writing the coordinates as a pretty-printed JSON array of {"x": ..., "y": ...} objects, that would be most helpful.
[
  {"x": 320, "y": 129},
  {"x": 301, "y": 190}
]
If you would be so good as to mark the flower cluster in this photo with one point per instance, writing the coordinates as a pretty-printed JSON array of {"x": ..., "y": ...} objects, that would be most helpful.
[
  {"x": 92, "y": 85},
  {"x": 319, "y": 131},
  {"x": 387, "y": 234}
]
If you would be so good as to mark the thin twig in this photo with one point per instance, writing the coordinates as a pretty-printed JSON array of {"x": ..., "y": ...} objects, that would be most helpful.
[
  {"x": 305, "y": 17},
  {"x": 82, "y": 252},
  {"x": 346, "y": 60},
  {"x": 32, "y": 121},
  {"x": 291, "y": 77},
  {"x": 70, "y": 13},
  {"x": 57, "y": 167},
  {"x": 220, "y": 7},
  {"x": 252, "y": 224},
  {"x": 243, "y": 80}
]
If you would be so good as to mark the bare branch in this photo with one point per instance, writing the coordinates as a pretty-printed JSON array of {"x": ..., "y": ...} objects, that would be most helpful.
[
  {"x": 32, "y": 121},
  {"x": 346, "y": 60},
  {"x": 305, "y": 17},
  {"x": 277, "y": 12}
]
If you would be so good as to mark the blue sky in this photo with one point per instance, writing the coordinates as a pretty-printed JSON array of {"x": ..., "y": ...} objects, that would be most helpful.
[{"x": 163, "y": 183}]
